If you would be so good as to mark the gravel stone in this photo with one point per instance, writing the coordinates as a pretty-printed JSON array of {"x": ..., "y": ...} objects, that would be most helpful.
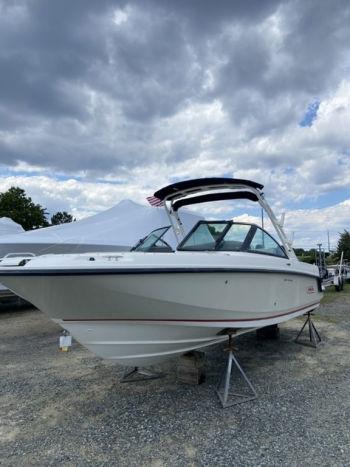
[{"x": 71, "y": 408}]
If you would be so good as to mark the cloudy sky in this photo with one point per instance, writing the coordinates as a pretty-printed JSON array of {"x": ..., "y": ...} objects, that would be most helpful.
[{"x": 105, "y": 100}]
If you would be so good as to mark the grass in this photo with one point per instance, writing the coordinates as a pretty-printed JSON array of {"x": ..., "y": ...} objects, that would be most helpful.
[{"x": 331, "y": 294}]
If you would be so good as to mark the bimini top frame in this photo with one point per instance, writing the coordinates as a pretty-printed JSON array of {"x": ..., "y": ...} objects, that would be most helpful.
[{"x": 202, "y": 190}]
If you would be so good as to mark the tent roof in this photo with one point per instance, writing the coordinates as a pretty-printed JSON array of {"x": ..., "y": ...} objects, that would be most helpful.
[
  {"x": 8, "y": 226},
  {"x": 122, "y": 226}
]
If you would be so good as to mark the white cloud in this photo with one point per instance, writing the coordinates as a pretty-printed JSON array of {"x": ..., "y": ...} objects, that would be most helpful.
[
  {"x": 311, "y": 226},
  {"x": 103, "y": 101}
]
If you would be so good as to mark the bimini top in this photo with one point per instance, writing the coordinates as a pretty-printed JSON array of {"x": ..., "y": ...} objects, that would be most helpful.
[
  {"x": 188, "y": 187},
  {"x": 214, "y": 197}
]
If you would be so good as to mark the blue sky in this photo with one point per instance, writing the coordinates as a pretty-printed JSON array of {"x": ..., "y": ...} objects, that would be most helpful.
[
  {"x": 101, "y": 101},
  {"x": 310, "y": 115}
]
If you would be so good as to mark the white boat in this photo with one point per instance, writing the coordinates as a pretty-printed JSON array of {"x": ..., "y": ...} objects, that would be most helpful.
[
  {"x": 7, "y": 227},
  {"x": 153, "y": 303},
  {"x": 121, "y": 226}
]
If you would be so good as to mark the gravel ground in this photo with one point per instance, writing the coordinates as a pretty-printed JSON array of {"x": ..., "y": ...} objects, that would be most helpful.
[{"x": 71, "y": 409}]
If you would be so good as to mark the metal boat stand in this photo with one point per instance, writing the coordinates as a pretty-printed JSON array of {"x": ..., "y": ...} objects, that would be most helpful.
[
  {"x": 140, "y": 374},
  {"x": 314, "y": 337},
  {"x": 223, "y": 389}
]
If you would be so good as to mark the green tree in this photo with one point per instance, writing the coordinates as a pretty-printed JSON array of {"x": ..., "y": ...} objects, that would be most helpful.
[
  {"x": 344, "y": 245},
  {"x": 307, "y": 256},
  {"x": 15, "y": 204},
  {"x": 61, "y": 218}
]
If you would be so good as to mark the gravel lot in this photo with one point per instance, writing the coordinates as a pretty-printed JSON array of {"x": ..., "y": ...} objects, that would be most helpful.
[{"x": 71, "y": 409}]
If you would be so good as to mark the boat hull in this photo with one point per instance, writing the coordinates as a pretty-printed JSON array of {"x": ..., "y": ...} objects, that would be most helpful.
[{"x": 144, "y": 318}]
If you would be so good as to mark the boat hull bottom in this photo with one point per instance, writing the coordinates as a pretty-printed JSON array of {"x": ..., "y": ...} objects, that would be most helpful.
[
  {"x": 143, "y": 343},
  {"x": 140, "y": 343}
]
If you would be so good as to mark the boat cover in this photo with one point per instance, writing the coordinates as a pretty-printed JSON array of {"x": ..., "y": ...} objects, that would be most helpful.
[{"x": 116, "y": 229}]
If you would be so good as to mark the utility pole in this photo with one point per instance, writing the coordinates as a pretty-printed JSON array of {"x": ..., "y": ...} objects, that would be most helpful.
[
  {"x": 329, "y": 244},
  {"x": 319, "y": 255}
]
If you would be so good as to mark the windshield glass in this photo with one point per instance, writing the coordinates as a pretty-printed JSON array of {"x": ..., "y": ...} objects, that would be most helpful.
[
  {"x": 153, "y": 242},
  {"x": 231, "y": 236},
  {"x": 204, "y": 236}
]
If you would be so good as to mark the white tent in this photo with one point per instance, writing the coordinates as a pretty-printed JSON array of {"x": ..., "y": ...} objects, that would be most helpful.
[
  {"x": 8, "y": 226},
  {"x": 116, "y": 229}
]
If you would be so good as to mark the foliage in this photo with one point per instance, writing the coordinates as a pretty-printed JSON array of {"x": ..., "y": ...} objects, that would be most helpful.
[
  {"x": 15, "y": 204},
  {"x": 61, "y": 218},
  {"x": 332, "y": 258},
  {"x": 344, "y": 245},
  {"x": 307, "y": 256}
]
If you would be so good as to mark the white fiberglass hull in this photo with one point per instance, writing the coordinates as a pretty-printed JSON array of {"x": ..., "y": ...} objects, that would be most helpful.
[
  {"x": 138, "y": 317},
  {"x": 141, "y": 343}
]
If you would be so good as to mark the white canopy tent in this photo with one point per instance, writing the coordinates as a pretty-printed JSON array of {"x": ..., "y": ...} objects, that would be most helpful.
[
  {"x": 8, "y": 226},
  {"x": 116, "y": 229}
]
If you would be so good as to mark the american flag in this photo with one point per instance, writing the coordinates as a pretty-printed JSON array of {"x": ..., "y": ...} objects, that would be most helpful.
[{"x": 154, "y": 201}]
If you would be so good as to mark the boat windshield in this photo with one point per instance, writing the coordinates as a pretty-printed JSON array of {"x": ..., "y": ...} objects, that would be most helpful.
[
  {"x": 231, "y": 236},
  {"x": 154, "y": 242}
]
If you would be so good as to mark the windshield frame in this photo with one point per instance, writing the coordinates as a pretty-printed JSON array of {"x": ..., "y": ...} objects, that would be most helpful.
[
  {"x": 222, "y": 237},
  {"x": 139, "y": 244}
]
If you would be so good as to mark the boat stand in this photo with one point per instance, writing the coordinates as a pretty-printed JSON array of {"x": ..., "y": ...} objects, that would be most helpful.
[
  {"x": 314, "y": 337},
  {"x": 140, "y": 374},
  {"x": 223, "y": 389}
]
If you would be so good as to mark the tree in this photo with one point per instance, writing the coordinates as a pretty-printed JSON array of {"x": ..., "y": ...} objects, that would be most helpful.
[
  {"x": 15, "y": 204},
  {"x": 344, "y": 245},
  {"x": 307, "y": 256},
  {"x": 61, "y": 218}
]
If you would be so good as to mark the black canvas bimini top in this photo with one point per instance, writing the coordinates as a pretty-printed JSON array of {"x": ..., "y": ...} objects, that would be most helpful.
[
  {"x": 171, "y": 191},
  {"x": 214, "y": 197}
]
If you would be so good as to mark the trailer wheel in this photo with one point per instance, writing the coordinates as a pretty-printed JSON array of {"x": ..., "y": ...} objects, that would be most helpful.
[{"x": 340, "y": 285}]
